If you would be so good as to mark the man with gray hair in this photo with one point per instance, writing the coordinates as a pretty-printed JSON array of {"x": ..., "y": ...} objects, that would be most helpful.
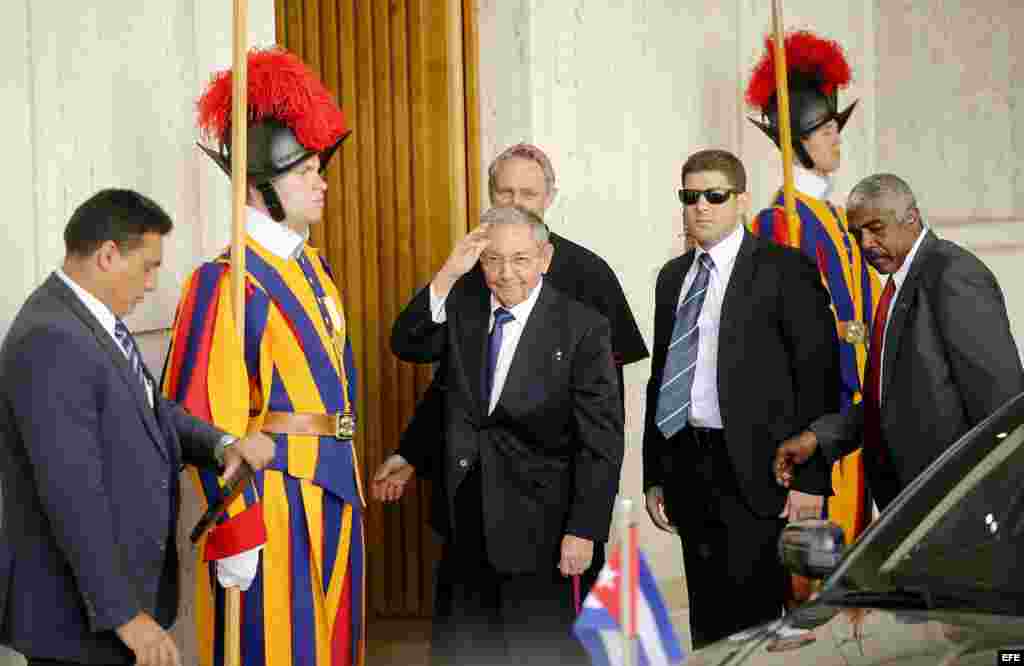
[
  {"x": 941, "y": 357},
  {"x": 528, "y": 467},
  {"x": 522, "y": 175}
]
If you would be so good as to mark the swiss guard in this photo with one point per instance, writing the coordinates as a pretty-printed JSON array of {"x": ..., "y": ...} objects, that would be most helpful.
[
  {"x": 292, "y": 376},
  {"x": 816, "y": 70}
]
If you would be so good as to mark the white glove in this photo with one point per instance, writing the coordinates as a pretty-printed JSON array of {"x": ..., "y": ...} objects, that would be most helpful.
[{"x": 239, "y": 570}]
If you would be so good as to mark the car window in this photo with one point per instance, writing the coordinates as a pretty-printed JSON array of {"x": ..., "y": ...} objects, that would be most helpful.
[{"x": 973, "y": 538}]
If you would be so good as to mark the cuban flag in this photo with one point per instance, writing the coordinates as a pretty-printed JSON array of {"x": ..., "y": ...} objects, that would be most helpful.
[{"x": 599, "y": 626}]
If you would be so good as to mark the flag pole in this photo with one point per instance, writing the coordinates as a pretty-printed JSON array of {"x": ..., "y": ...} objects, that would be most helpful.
[
  {"x": 239, "y": 160},
  {"x": 627, "y": 590},
  {"x": 785, "y": 130}
]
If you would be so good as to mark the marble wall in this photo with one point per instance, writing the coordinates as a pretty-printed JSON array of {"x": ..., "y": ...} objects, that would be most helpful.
[
  {"x": 950, "y": 91},
  {"x": 103, "y": 94},
  {"x": 620, "y": 93}
]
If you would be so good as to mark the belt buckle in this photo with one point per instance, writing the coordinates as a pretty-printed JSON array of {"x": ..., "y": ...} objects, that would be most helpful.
[{"x": 344, "y": 425}]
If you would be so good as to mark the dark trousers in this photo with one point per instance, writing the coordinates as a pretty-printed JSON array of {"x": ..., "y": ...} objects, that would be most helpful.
[
  {"x": 734, "y": 577},
  {"x": 485, "y": 618}
]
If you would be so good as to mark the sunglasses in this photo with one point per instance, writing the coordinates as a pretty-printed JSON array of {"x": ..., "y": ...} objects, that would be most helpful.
[{"x": 714, "y": 196}]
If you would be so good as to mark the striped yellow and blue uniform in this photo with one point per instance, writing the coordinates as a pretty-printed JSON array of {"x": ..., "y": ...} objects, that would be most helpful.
[
  {"x": 825, "y": 238},
  {"x": 307, "y": 602}
]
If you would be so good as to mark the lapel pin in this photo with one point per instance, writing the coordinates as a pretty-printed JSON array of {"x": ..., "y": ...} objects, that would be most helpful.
[{"x": 558, "y": 354}]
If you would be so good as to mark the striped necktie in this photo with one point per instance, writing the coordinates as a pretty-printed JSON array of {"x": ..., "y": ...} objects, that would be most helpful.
[
  {"x": 127, "y": 342},
  {"x": 681, "y": 360}
]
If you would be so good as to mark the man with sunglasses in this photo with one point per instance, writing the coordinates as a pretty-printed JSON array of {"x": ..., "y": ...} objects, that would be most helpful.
[
  {"x": 744, "y": 357},
  {"x": 817, "y": 68}
]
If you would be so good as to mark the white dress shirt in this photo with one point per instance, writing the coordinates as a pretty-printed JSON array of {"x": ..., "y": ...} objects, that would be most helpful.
[
  {"x": 812, "y": 184},
  {"x": 898, "y": 278},
  {"x": 104, "y": 315},
  {"x": 282, "y": 241},
  {"x": 704, "y": 408},
  {"x": 511, "y": 333}
]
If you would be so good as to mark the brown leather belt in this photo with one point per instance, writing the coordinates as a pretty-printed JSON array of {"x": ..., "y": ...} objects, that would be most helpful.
[{"x": 297, "y": 423}]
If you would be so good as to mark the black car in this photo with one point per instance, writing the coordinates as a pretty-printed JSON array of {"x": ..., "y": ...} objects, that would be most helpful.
[{"x": 938, "y": 579}]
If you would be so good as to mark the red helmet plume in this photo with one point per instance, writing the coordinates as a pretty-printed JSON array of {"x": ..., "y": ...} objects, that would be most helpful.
[
  {"x": 812, "y": 58},
  {"x": 282, "y": 87},
  {"x": 816, "y": 68}
]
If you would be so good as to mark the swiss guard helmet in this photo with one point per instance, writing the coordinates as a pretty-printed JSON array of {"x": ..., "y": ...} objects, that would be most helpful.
[
  {"x": 292, "y": 116},
  {"x": 816, "y": 68}
]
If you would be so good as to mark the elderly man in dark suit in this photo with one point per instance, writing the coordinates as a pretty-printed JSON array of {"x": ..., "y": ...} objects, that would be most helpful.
[
  {"x": 533, "y": 443},
  {"x": 522, "y": 175},
  {"x": 91, "y": 454},
  {"x": 941, "y": 357},
  {"x": 744, "y": 357}
]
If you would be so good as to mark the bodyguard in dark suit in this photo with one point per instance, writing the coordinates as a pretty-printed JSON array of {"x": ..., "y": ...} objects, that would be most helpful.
[
  {"x": 533, "y": 443},
  {"x": 91, "y": 454},
  {"x": 744, "y": 357},
  {"x": 941, "y": 357}
]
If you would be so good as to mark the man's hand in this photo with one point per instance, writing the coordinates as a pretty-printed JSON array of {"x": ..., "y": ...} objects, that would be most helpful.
[
  {"x": 390, "y": 479},
  {"x": 464, "y": 256},
  {"x": 801, "y": 505},
  {"x": 794, "y": 451},
  {"x": 655, "y": 497},
  {"x": 149, "y": 642},
  {"x": 256, "y": 449},
  {"x": 577, "y": 554}
]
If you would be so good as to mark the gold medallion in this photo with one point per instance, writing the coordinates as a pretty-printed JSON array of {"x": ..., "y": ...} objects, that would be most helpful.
[
  {"x": 855, "y": 333},
  {"x": 334, "y": 312}
]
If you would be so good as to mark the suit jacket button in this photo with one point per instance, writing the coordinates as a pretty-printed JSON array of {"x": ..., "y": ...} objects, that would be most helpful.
[{"x": 463, "y": 463}]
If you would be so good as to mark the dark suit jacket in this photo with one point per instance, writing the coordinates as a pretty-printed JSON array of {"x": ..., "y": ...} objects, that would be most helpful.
[
  {"x": 551, "y": 452},
  {"x": 778, "y": 370},
  {"x": 950, "y": 361},
  {"x": 577, "y": 273},
  {"x": 90, "y": 474}
]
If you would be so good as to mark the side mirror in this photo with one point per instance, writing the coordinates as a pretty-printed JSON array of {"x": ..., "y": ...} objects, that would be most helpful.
[{"x": 811, "y": 548}]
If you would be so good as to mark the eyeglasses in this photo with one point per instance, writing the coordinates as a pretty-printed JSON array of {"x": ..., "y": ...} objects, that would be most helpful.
[
  {"x": 493, "y": 262},
  {"x": 714, "y": 196}
]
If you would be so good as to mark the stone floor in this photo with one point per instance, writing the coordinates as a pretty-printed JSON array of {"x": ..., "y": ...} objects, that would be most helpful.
[
  {"x": 399, "y": 642},
  {"x": 406, "y": 642}
]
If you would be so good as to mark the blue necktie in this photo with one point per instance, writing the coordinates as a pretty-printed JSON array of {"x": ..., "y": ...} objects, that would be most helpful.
[
  {"x": 681, "y": 360},
  {"x": 127, "y": 342},
  {"x": 501, "y": 317}
]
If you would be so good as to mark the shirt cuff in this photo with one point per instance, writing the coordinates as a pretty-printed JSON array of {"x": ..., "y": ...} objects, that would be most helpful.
[{"x": 437, "y": 311}]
